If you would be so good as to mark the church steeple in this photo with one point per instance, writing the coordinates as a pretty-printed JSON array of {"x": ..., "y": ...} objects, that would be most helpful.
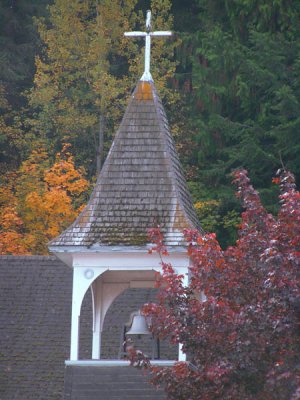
[{"x": 140, "y": 186}]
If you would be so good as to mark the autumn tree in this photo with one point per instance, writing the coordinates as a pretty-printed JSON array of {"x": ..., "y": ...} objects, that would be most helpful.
[
  {"x": 39, "y": 201},
  {"x": 88, "y": 68},
  {"x": 242, "y": 341}
]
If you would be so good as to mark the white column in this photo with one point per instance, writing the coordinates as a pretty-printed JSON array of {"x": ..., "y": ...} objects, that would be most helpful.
[
  {"x": 82, "y": 279},
  {"x": 181, "y": 354},
  {"x": 97, "y": 303},
  {"x": 75, "y": 323},
  {"x": 74, "y": 337}
]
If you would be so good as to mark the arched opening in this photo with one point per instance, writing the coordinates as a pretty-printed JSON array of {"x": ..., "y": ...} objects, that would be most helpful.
[
  {"x": 104, "y": 313},
  {"x": 118, "y": 314}
]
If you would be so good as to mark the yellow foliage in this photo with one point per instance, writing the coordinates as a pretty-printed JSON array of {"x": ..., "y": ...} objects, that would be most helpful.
[
  {"x": 49, "y": 213},
  {"x": 208, "y": 204},
  {"x": 31, "y": 173},
  {"x": 83, "y": 71},
  {"x": 208, "y": 214},
  {"x": 39, "y": 202}
]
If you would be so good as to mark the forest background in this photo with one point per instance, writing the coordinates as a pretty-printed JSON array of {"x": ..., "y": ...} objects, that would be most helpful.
[{"x": 229, "y": 79}]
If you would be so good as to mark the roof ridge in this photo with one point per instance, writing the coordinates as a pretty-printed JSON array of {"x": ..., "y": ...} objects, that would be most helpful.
[
  {"x": 168, "y": 134},
  {"x": 27, "y": 257}
]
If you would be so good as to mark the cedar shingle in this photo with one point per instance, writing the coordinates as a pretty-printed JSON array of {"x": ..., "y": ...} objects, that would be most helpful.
[{"x": 141, "y": 183}]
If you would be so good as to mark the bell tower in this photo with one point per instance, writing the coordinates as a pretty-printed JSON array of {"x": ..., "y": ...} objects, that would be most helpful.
[{"x": 140, "y": 186}]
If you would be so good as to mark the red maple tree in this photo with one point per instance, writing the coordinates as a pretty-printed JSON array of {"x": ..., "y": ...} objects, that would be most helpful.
[{"x": 242, "y": 340}]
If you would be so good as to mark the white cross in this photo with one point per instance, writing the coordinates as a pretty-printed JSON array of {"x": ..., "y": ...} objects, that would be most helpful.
[{"x": 147, "y": 75}]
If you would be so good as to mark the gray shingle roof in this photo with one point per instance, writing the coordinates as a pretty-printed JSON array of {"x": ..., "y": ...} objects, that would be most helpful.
[
  {"x": 35, "y": 316},
  {"x": 140, "y": 186},
  {"x": 35, "y": 308}
]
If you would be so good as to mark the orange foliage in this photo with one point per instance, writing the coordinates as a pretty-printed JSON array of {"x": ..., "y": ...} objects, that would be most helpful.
[
  {"x": 39, "y": 201},
  {"x": 12, "y": 242},
  {"x": 64, "y": 176}
]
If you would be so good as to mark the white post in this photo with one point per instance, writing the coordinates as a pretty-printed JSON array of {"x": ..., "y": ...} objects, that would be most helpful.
[
  {"x": 82, "y": 279},
  {"x": 75, "y": 322},
  {"x": 97, "y": 308},
  {"x": 147, "y": 74},
  {"x": 74, "y": 338},
  {"x": 181, "y": 354}
]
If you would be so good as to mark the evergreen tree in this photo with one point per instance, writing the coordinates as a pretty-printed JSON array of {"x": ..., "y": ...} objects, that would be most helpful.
[
  {"x": 243, "y": 96},
  {"x": 18, "y": 46}
]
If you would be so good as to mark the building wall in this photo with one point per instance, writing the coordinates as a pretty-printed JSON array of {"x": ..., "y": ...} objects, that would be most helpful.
[{"x": 109, "y": 383}]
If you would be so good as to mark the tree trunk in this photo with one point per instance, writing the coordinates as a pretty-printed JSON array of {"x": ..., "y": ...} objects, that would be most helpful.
[{"x": 100, "y": 149}]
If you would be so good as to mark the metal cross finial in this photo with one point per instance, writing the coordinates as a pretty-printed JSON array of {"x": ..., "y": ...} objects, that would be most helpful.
[{"x": 147, "y": 75}]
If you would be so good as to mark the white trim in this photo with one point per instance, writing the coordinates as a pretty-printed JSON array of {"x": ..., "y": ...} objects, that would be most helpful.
[
  {"x": 118, "y": 270},
  {"x": 114, "y": 363},
  {"x": 122, "y": 260},
  {"x": 112, "y": 249}
]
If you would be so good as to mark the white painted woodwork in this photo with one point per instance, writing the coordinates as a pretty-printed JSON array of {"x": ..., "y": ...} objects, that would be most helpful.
[
  {"x": 115, "y": 363},
  {"x": 108, "y": 274}
]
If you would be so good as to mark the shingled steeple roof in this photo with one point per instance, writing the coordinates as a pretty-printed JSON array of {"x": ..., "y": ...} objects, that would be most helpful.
[{"x": 140, "y": 186}]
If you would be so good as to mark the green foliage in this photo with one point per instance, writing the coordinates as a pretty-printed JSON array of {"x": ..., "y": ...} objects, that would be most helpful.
[
  {"x": 88, "y": 68},
  {"x": 232, "y": 102},
  {"x": 18, "y": 40},
  {"x": 215, "y": 217},
  {"x": 243, "y": 103},
  {"x": 18, "y": 45}
]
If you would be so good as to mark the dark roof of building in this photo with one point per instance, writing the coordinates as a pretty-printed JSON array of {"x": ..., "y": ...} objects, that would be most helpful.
[
  {"x": 35, "y": 317},
  {"x": 35, "y": 309},
  {"x": 140, "y": 186}
]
